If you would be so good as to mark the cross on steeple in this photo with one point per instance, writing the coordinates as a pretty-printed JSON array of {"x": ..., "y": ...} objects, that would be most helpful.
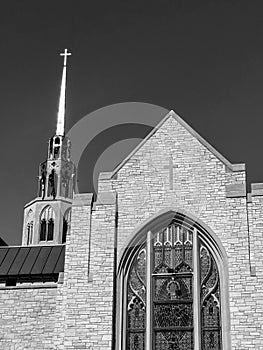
[
  {"x": 65, "y": 54},
  {"x": 62, "y": 99},
  {"x": 170, "y": 167}
]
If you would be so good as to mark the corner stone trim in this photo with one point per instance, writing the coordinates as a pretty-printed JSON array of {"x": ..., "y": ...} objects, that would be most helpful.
[
  {"x": 236, "y": 190},
  {"x": 80, "y": 199},
  {"x": 257, "y": 189},
  {"x": 106, "y": 198}
]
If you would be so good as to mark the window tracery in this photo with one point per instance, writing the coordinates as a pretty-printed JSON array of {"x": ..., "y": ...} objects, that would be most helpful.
[
  {"x": 210, "y": 301},
  {"x": 173, "y": 298}
]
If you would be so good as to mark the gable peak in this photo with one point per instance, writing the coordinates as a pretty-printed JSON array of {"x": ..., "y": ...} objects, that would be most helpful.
[
  {"x": 196, "y": 135},
  {"x": 172, "y": 113}
]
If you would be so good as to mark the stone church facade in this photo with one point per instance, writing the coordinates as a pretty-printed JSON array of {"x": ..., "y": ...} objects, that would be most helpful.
[{"x": 168, "y": 255}]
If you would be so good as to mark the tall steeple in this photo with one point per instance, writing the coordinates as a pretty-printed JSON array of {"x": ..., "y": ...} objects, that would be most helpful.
[
  {"x": 62, "y": 99},
  {"x": 46, "y": 218},
  {"x": 56, "y": 172}
]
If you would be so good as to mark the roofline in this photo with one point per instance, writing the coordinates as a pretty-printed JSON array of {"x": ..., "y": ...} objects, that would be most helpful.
[
  {"x": 228, "y": 164},
  {"x": 48, "y": 200},
  {"x": 32, "y": 245}
]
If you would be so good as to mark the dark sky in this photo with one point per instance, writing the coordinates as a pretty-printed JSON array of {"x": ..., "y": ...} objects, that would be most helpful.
[{"x": 204, "y": 59}]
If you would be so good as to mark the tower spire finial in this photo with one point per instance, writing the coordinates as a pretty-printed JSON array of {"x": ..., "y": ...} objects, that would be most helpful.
[{"x": 62, "y": 98}]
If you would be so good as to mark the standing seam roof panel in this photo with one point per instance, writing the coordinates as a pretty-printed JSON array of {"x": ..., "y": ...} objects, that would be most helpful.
[
  {"x": 3, "y": 252},
  {"x": 52, "y": 259},
  {"x": 41, "y": 260},
  {"x": 19, "y": 261},
  {"x": 30, "y": 260},
  {"x": 60, "y": 262},
  {"x": 8, "y": 260}
]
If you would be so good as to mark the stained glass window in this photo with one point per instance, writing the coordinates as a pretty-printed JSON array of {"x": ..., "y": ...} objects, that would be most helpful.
[
  {"x": 210, "y": 301},
  {"x": 137, "y": 302},
  {"x": 178, "y": 256},
  {"x": 172, "y": 289}
]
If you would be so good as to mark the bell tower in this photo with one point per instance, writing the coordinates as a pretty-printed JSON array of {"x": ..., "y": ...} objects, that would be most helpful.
[{"x": 47, "y": 217}]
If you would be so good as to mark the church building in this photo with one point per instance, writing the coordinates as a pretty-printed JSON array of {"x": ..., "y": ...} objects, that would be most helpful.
[{"x": 167, "y": 256}]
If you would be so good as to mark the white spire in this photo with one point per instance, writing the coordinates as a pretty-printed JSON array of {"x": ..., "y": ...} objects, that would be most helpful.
[{"x": 62, "y": 98}]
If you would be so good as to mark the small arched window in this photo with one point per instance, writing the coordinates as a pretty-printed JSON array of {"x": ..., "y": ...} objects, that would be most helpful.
[
  {"x": 29, "y": 227},
  {"x": 50, "y": 229},
  {"x": 29, "y": 233},
  {"x": 47, "y": 224},
  {"x": 66, "y": 223}
]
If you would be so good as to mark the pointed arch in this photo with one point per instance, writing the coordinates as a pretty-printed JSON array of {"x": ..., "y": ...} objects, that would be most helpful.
[
  {"x": 29, "y": 227},
  {"x": 204, "y": 266},
  {"x": 46, "y": 224}
]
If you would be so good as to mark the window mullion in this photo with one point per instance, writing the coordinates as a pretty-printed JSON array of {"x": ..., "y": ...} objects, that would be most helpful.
[
  {"x": 46, "y": 230},
  {"x": 196, "y": 292},
  {"x": 148, "y": 340},
  {"x": 123, "y": 318}
]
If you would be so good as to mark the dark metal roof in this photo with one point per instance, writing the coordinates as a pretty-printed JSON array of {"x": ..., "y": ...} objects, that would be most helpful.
[{"x": 31, "y": 264}]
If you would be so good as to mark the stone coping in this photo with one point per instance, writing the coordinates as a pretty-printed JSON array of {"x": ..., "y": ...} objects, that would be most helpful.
[
  {"x": 82, "y": 199},
  {"x": 257, "y": 189},
  {"x": 30, "y": 286},
  {"x": 107, "y": 197},
  {"x": 236, "y": 190},
  {"x": 106, "y": 175}
]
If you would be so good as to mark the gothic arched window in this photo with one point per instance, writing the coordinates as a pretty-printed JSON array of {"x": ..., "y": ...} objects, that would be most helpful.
[
  {"x": 43, "y": 229},
  {"x": 66, "y": 222},
  {"x": 50, "y": 230},
  {"x": 47, "y": 224},
  {"x": 29, "y": 227},
  {"x": 29, "y": 233},
  {"x": 172, "y": 292}
]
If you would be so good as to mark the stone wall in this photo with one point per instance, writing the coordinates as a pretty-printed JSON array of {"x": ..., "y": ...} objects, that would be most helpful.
[
  {"x": 27, "y": 317},
  {"x": 86, "y": 315}
]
